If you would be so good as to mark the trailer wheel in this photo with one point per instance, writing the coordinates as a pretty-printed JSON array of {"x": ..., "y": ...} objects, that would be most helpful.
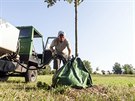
[
  {"x": 3, "y": 76},
  {"x": 31, "y": 75}
]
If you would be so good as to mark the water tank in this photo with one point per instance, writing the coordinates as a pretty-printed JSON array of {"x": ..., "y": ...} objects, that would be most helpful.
[{"x": 8, "y": 37}]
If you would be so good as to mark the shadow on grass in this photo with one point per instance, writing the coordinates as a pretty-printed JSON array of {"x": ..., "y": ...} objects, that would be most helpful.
[{"x": 15, "y": 81}]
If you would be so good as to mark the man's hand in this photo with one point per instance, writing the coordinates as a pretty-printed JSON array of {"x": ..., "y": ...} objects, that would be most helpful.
[
  {"x": 53, "y": 52},
  {"x": 69, "y": 57}
]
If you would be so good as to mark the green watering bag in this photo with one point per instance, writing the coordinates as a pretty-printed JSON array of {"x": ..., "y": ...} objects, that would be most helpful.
[{"x": 73, "y": 73}]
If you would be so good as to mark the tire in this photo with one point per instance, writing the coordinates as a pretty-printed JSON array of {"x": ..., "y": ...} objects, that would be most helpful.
[
  {"x": 3, "y": 76},
  {"x": 31, "y": 75}
]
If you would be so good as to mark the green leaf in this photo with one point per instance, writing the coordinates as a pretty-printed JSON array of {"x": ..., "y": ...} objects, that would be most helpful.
[
  {"x": 79, "y": 1},
  {"x": 70, "y": 1},
  {"x": 52, "y": 2}
]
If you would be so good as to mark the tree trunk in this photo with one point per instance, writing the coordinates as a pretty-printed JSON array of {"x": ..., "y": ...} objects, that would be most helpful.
[{"x": 76, "y": 40}]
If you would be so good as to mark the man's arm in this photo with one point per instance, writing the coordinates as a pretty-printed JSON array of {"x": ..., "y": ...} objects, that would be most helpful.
[
  {"x": 52, "y": 45},
  {"x": 51, "y": 48},
  {"x": 69, "y": 52},
  {"x": 69, "y": 49}
]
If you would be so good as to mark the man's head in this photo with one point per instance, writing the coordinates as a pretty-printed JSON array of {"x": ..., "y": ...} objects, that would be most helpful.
[{"x": 61, "y": 36}]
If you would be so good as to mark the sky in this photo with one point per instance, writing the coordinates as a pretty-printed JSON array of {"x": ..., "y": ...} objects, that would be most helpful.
[{"x": 106, "y": 28}]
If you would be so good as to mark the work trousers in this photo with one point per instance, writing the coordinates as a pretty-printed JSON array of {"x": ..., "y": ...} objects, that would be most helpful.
[{"x": 57, "y": 61}]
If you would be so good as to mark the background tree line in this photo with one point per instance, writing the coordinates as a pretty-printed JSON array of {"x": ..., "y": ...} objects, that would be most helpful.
[
  {"x": 116, "y": 69},
  {"x": 125, "y": 69}
]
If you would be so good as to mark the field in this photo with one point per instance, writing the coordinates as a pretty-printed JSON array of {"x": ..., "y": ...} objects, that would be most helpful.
[{"x": 105, "y": 88}]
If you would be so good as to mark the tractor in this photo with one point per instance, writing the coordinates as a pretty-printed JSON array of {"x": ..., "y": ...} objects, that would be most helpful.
[{"x": 25, "y": 61}]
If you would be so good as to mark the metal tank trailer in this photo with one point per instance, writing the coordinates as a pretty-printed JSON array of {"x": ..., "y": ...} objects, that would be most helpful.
[{"x": 18, "y": 57}]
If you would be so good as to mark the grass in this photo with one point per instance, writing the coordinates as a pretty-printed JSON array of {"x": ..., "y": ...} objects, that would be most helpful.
[
  {"x": 105, "y": 88},
  {"x": 114, "y": 80}
]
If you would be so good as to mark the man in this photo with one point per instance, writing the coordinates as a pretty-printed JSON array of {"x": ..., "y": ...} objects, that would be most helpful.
[{"x": 58, "y": 47}]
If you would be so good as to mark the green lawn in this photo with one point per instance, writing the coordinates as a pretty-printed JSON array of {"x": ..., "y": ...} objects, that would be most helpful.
[
  {"x": 114, "y": 80},
  {"x": 105, "y": 88}
]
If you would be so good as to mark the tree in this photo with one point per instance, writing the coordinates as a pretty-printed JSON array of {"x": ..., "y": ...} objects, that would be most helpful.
[
  {"x": 103, "y": 72},
  {"x": 97, "y": 69},
  {"x": 128, "y": 69},
  {"x": 76, "y": 3},
  {"x": 108, "y": 72},
  {"x": 117, "y": 68},
  {"x": 87, "y": 65}
]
